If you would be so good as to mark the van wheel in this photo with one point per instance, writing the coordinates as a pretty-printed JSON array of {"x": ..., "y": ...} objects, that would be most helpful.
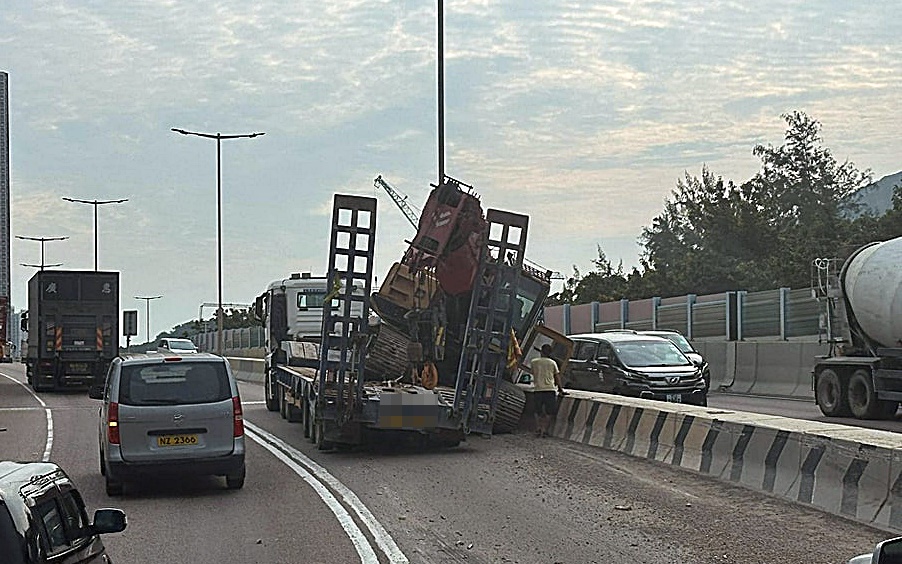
[
  {"x": 270, "y": 394},
  {"x": 831, "y": 395},
  {"x": 863, "y": 400},
  {"x": 236, "y": 481},
  {"x": 113, "y": 487}
]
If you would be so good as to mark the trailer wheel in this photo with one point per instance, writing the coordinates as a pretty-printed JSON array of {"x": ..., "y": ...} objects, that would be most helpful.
[
  {"x": 270, "y": 393},
  {"x": 283, "y": 405},
  {"x": 831, "y": 395},
  {"x": 863, "y": 400}
]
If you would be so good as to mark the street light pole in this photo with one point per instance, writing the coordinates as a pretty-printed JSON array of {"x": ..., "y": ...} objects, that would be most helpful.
[
  {"x": 219, "y": 137},
  {"x": 95, "y": 203},
  {"x": 42, "y": 240},
  {"x": 147, "y": 311}
]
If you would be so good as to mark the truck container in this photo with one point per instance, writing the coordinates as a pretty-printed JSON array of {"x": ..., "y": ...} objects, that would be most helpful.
[
  {"x": 861, "y": 318},
  {"x": 73, "y": 328}
]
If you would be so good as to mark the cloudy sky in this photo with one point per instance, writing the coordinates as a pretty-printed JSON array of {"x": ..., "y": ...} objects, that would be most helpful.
[{"x": 581, "y": 114}]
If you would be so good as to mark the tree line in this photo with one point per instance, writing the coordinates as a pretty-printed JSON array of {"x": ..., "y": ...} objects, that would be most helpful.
[{"x": 714, "y": 235}]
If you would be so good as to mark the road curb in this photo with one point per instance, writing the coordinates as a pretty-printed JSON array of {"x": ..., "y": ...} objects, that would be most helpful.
[{"x": 847, "y": 471}]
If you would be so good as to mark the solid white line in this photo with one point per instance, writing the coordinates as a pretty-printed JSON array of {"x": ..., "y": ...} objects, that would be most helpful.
[
  {"x": 361, "y": 543},
  {"x": 383, "y": 538},
  {"x": 48, "y": 445}
]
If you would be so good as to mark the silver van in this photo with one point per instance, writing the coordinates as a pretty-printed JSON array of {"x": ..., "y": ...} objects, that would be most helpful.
[{"x": 164, "y": 415}]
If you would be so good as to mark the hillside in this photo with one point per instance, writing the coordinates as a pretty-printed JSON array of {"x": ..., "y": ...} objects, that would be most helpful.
[{"x": 877, "y": 198}]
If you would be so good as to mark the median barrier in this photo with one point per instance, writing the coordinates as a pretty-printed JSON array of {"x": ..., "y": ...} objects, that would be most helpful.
[
  {"x": 777, "y": 367},
  {"x": 247, "y": 369},
  {"x": 745, "y": 368},
  {"x": 847, "y": 471}
]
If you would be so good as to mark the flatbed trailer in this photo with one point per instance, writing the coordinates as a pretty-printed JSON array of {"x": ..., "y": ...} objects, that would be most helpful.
[{"x": 322, "y": 385}]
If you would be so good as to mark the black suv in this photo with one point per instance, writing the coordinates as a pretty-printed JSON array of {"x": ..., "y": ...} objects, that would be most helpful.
[
  {"x": 684, "y": 345},
  {"x": 631, "y": 364},
  {"x": 43, "y": 518}
]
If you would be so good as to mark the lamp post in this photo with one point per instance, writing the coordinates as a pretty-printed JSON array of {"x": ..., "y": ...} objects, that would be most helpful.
[
  {"x": 147, "y": 311},
  {"x": 95, "y": 203},
  {"x": 219, "y": 138},
  {"x": 42, "y": 240}
]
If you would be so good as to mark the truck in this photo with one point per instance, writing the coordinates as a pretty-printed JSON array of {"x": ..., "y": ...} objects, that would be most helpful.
[
  {"x": 861, "y": 301},
  {"x": 433, "y": 353},
  {"x": 73, "y": 328}
]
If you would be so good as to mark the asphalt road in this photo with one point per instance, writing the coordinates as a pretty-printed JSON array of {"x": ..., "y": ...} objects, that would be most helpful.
[
  {"x": 797, "y": 409},
  {"x": 509, "y": 499}
]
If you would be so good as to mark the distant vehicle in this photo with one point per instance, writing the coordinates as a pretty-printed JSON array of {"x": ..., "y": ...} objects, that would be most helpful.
[
  {"x": 170, "y": 415},
  {"x": 43, "y": 518},
  {"x": 686, "y": 347},
  {"x": 73, "y": 328},
  {"x": 177, "y": 346},
  {"x": 630, "y": 364}
]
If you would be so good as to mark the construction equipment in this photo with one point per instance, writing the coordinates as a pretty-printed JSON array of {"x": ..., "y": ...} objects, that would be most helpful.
[{"x": 400, "y": 200}]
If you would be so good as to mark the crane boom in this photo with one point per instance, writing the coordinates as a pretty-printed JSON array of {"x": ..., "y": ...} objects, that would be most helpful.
[{"x": 401, "y": 201}]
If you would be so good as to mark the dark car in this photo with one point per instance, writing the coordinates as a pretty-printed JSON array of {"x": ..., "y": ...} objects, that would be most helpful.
[
  {"x": 684, "y": 345},
  {"x": 631, "y": 364},
  {"x": 43, "y": 518}
]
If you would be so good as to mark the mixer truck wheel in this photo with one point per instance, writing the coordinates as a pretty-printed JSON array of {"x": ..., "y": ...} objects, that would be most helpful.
[
  {"x": 831, "y": 394},
  {"x": 863, "y": 398}
]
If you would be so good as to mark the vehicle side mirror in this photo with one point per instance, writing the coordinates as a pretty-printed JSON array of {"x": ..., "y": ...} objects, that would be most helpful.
[
  {"x": 109, "y": 521},
  {"x": 95, "y": 392},
  {"x": 888, "y": 552}
]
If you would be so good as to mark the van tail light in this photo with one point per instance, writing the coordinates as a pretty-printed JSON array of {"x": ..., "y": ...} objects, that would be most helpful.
[
  {"x": 237, "y": 417},
  {"x": 112, "y": 423}
]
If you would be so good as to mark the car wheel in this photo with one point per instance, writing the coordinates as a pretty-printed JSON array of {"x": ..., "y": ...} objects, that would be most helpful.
[
  {"x": 863, "y": 400},
  {"x": 236, "y": 481},
  {"x": 831, "y": 395},
  {"x": 113, "y": 487}
]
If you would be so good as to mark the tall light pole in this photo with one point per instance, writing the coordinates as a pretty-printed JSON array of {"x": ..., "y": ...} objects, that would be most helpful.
[
  {"x": 147, "y": 311},
  {"x": 219, "y": 138},
  {"x": 95, "y": 203},
  {"x": 42, "y": 240}
]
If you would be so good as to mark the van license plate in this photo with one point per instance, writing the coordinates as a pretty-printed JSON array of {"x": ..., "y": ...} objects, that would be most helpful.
[
  {"x": 675, "y": 398},
  {"x": 176, "y": 440}
]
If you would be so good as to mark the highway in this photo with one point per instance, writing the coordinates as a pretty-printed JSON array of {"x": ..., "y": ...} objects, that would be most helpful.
[
  {"x": 510, "y": 499},
  {"x": 796, "y": 409}
]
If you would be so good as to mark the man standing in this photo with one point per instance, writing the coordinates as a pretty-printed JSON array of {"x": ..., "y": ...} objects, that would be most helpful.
[{"x": 547, "y": 379}]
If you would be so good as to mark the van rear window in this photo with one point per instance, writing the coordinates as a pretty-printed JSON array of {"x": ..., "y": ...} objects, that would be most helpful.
[{"x": 174, "y": 383}]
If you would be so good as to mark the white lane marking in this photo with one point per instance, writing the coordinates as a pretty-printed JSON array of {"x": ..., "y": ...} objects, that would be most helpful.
[
  {"x": 35, "y": 408},
  {"x": 253, "y": 402},
  {"x": 48, "y": 445},
  {"x": 383, "y": 538},
  {"x": 361, "y": 544}
]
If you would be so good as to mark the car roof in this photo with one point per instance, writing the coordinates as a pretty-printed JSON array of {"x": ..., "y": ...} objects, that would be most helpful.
[
  {"x": 615, "y": 337},
  {"x": 153, "y": 357}
]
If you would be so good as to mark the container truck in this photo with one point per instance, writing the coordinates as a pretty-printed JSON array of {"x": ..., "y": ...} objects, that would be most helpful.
[
  {"x": 73, "y": 328},
  {"x": 433, "y": 352},
  {"x": 861, "y": 317}
]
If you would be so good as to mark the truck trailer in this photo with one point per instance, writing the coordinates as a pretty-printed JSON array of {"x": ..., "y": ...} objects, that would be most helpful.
[
  {"x": 861, "y": 317},
  {"x": 73, "y": 328},
  {"x": 433, "y": 353}
]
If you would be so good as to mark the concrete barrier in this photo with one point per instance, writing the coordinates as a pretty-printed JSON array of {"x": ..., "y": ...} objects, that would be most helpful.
[
  {"x": 847, "y": 471},
  {"x": 247, "y": 369}
]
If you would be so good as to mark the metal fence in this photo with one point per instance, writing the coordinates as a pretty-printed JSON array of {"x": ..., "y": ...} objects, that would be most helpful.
[
  {"x": 781, "y": 313},
  {"x": 232, "y": 339}
]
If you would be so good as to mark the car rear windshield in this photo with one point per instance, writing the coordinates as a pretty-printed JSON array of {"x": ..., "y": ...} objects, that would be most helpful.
[
  {"x": 181, "y": 346},
  {"x": 172, "y": 383},
  {"x": 650, "y": 353}
]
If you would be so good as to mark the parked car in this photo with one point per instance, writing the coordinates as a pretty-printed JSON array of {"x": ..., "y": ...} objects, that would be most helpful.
[
  {"x": 165, "y": 415},
  {"x": 630, "y": 364},
  {"x": 43, "y": 518},
  {"x": 686, "y": 347},
  {"x": 176, "y": 346}
]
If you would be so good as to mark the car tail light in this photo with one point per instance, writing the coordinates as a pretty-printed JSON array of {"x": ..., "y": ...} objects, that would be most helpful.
[
  {"x": 112, "y": 423},
  {"x": 237, "y": 417}
]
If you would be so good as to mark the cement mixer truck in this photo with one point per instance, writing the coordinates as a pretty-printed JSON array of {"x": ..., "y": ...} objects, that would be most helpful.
[{"x": 861, "y": 318}]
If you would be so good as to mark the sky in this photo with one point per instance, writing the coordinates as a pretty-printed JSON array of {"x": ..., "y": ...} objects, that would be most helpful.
[{"x": 582, "y": 115}]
